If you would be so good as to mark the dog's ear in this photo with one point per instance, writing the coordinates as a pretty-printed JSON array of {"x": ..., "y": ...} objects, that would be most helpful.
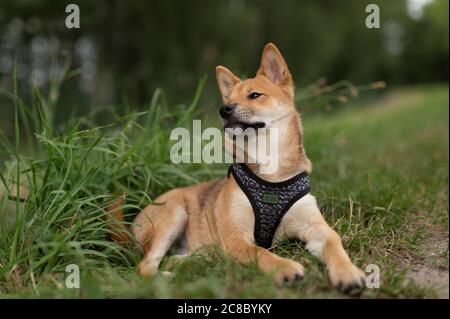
[
  {"x": 226, "y": 81},
  {"x": 274, "y": 67}
]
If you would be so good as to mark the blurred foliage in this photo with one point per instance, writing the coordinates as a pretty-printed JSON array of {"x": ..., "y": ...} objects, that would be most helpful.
[{"x": 140, "y": 45}]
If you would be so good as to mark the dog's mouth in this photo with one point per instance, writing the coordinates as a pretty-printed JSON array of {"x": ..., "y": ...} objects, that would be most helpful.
[{"x": 233, "y": 124}]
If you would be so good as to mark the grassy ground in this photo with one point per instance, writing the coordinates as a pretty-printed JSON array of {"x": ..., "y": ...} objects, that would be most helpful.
[{"x": 380, "y": 176}]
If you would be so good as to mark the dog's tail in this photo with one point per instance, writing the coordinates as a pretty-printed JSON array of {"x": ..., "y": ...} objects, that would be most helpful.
[{"x": 119, "y": 231}]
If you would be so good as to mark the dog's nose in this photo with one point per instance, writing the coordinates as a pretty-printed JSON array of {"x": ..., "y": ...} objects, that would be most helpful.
[{"x": 226, "y": 110}]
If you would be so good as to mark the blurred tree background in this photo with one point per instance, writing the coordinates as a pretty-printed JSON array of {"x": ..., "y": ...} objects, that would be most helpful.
[{"x": 126, "y": 49}]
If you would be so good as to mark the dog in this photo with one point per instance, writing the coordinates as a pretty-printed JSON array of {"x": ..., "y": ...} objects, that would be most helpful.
[{"x": 219, "y": 212}]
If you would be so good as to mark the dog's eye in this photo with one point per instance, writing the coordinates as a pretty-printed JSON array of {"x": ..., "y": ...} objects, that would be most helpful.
[{"x": 254, "y": 95}]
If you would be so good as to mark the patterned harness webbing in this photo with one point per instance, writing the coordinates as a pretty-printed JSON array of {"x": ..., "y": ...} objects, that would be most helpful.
[{"x": 270, "y": 201}]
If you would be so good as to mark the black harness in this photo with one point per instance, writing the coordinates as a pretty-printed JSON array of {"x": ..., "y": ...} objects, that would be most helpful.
[{"x": 270, "y": 201}]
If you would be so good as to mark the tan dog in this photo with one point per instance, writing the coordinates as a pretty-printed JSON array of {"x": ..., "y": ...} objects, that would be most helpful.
[{"x": 218, "y": 212}]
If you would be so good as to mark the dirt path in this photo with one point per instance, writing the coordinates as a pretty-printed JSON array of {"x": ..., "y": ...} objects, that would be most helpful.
[{"x": 430, "y": 269}]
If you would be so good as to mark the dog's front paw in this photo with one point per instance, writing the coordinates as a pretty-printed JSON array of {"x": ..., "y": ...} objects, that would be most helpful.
[
  {"x": 347, "y": 278},
  {"x": 287, "y": 271},
  {"x": 146, "y": 269}
]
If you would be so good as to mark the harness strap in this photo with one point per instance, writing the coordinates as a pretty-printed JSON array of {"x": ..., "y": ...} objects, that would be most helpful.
[{"x": 270, "y": 201}]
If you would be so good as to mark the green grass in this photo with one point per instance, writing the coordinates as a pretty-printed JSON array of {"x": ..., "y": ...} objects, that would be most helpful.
[{"x": 380, "y": 176}]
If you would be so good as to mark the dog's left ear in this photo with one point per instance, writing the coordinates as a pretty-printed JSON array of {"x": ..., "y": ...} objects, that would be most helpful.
[{"x": 274, "y": 67}]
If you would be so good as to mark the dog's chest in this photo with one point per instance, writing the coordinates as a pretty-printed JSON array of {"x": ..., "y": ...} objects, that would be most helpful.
[
  {"x": 268, "y": 201},
  {"x": 243, "y": 217}
]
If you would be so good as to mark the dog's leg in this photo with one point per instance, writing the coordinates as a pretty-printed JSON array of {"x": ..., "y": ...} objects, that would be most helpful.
[
  {"x": 305, "y": 222},
  {"x": 163, "y": 227},
  {"x": 283, "y": 269}
]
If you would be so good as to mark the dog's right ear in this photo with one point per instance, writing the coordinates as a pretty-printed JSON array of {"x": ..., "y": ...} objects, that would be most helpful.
[{"x": 226, "y": 81}]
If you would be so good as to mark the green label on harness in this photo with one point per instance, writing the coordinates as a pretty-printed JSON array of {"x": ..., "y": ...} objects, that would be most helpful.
[{"x": 270, "y": 198}]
